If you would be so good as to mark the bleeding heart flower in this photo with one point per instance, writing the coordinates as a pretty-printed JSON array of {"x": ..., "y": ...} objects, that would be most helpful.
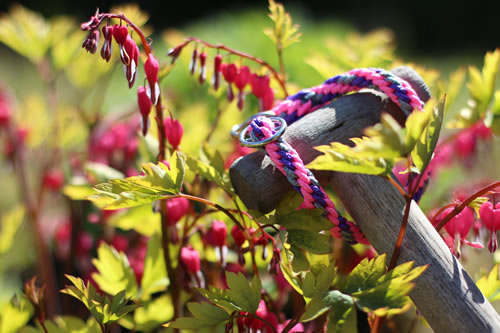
[
  {"x": 144, "y": 107},
  {"x": 490, "y": 215},
  {"x": 458, "y": 227},
  {"x": 176, "y": 209},
  {"x": 173, "y": 132},
  {"x": 229, "y": 72},
  {"x": 203, "y": 67},
  {"x": 107, "y": 47},
  {"x": 191, "y": 259},
  {"x": 217, "y": 71},
  {"x": 240, "y": 81},
  {"x": 151, "y": 68},
  {"x": 217, "y": 233},
  {"x": 130, "y": 53}
]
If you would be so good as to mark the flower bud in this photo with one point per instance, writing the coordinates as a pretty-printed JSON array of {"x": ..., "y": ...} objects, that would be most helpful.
[
  {"x": 192, "y": 65},
  {"x": 238, "y": 236},
  {"x": 217, "y": 71},
  {"x": 92, "y": 23},
  {"x": 175, "y": 52},
  {"x": 92, "y": 41},
  {"x": 144, "y": 107},
  {"x": 53, "y": 180},
  {"x": 173, "y": 132},
  {"x": 107, "y": 46},
  {"x": 151, "y": 68},
  {"x": 229, "y": 72},
  {"x": 191, "y": 259},
  {"x": 176, "y": 209},
  {"x": 203, "y": 60},
  {"x": 217, "y": 233}
]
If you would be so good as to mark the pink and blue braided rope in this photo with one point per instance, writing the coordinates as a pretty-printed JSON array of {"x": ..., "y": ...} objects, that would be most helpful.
[{"x": 306, "y": 101}]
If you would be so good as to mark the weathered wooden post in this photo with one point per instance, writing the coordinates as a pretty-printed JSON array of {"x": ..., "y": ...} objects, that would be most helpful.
[{"x": 445, "y": 294}]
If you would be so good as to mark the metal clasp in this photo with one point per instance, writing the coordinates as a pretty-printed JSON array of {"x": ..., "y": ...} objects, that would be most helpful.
[{"x": 243, "y": 130}]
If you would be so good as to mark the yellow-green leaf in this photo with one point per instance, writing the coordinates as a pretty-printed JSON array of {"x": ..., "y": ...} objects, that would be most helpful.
[{"x": 10, "y": 224}]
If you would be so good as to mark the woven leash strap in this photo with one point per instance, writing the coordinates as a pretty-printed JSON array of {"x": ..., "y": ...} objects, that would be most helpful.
[{"x": 287, "y": 160}]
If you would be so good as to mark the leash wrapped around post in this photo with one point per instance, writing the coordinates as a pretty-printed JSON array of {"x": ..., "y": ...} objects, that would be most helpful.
[
  {"x": 263, "y": 132},
  {"x": 446, "y": 295}
]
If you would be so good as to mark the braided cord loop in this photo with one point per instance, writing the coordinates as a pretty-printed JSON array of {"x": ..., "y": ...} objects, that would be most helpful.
[{"x": 294, "y": 107}]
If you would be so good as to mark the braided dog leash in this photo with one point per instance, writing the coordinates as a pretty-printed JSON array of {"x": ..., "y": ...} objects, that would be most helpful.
[{"x": 265, "y": 130}]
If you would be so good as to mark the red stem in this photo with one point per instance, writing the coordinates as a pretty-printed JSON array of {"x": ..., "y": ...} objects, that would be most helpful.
[{"x": 465, "y": 203}]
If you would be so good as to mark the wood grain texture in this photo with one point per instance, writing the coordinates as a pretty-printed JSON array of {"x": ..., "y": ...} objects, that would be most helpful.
[{"x": 445, "y": 294}]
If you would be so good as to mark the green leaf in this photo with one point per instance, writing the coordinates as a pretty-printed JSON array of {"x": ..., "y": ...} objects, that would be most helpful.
[
  {"x": 152, "y": 314},
  {"x": 415, "y": 125},
  {"x": 482, "y": 84},
  {"x": 104, "y": 309},
  {"x": 78, "y": 192},
  {"x": 220, "y": 297},
  {"x": 379, "y": 292},
  {"x": 311, "y": 241},
  {"x": 141, "y": 219},
  {"x": 244, "y": 295},
  {"x": 210, "y": 173},
  {"x": 214, "y": 158},
  {"x": 102, "y": 172},
  {"x": 209, "y": 313},
  {"x": 114, "y": 271},
  {"x": 15, "y": 314},
  {"x": 304, "y": 219},
  {"x": 26, "y": 32},
  {"x": 154, "y": 278},
  {"x": 11, "y": 223},
  {"x": 284, "y": 33},
  {"x": 365, "y": 274},
  {"x": 489, "y": 284},
  {"x": 424, "y": 148},
  {"x": 317, "y": 282},
  {"x": 158, "y": 181},
  {"x": 300, "y": 261},
  {"x": 492, "y": 119},
  {"x": 340, "y": 157},
  {"x": 342, "y": 319},
  {"x": 315, "y": 308}
]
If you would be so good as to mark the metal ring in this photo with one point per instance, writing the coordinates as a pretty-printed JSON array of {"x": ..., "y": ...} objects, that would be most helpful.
[
  {"x": 236, "y": 130},
  {"x": 255, "y": 144}
]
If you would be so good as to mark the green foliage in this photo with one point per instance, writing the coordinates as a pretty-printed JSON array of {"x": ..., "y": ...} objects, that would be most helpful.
[
  {"x": 284, "y": 33},
  {"x": 422, "y": 153},
  {"x": 383, "y": 145},
  {"x": 355, "y": 50},
  {"x": 245, "y": 295},
  {"x": 150, "y": 315},
  {"x": 154, "y": 279},
  {"x": 64, "y": 324},
  {"x": 26, "y": 32},
  {"x": 114, "y": 272},
  {"x": 102, "y": 172},
  {"x": 158, "y": 181},
  {"x": 489, "y": 284},
  {"x": 482, "y": 84},
  {"x": 11, "y": 223},
  {"x": 141, "y": 219},
  {"x": 104, "y": 309},
  {"x": 493, "y": 118},
  {"x": 15, "y": 314},
  {"x": 210, "y": 166}
]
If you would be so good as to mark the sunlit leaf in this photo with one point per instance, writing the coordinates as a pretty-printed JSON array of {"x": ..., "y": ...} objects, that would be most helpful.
[
  {"x": 220, "y": 297},
  {"x": 10, "y": 224},
  {"x": 482, "y": 84},
  {"x": 102, "y": 172},
  {"x": 492, "y": 119},
  {"x": 114, "y": 271},
  {"x": 141, "y": 219},
  {"x": 154, "y": 278},
  {"x": 424, "y": 148},
  {"x": 489, "y": 284},
  {"x": 154, "y": 313},
  {"x": 157, "y": 182},
  {"x": 284, "y": 33},
  {"x": 26, "y": 32},
  {"x": 15, "y": 314}
]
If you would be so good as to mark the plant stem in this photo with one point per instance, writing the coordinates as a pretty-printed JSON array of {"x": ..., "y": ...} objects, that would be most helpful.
[
  {"x": 171, "y": 272},
  {"x": 242, "y": 55},
  {"x": 145, "y": 43},
  {"x": 465, "y": 203}
]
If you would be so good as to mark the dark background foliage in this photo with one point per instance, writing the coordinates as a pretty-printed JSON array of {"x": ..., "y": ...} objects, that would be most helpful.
[{"x": 421, "y": 27}]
